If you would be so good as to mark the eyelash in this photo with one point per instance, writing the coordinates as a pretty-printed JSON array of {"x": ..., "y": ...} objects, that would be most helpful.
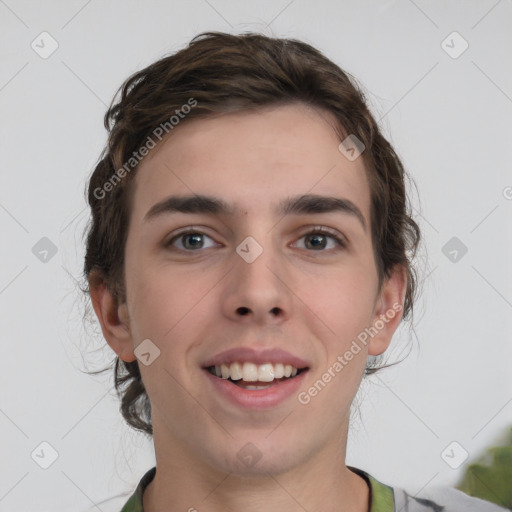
[{"x": 319, "y": 230}]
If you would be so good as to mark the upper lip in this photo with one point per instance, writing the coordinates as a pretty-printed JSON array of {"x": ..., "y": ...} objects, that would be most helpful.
[{"x": 250, "y": 355}]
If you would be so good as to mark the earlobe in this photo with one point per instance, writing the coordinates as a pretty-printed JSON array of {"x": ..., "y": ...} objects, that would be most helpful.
[
  {"x": 113, "y": 319},
  {"x": 388, "y": 310}
]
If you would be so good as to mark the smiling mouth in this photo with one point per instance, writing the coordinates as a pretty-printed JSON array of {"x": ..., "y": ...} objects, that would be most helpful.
[{"x": 251, "y": 376}]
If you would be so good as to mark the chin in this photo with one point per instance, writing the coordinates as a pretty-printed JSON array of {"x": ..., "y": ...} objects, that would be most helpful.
[{"x": 259, "y": 457}]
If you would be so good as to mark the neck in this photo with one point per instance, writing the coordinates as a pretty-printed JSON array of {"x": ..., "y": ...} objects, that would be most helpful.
[{"x": 183, "y": 481}]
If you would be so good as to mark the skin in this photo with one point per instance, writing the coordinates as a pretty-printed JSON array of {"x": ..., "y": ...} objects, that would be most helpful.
[{"x": 311, "y": 302}]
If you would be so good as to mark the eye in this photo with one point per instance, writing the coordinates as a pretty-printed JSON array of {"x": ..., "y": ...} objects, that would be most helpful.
[
  {"x": 189, "y": 240},
  {"x": 319, "y": 237}
]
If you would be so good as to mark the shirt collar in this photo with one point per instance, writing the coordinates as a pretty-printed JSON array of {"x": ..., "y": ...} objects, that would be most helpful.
[
  {"x": 134, "y": 504},
  {"x": 381, "y": 495}
]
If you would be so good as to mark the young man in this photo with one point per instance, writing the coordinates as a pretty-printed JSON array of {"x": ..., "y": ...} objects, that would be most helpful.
[{"x": 248, "y": 252}]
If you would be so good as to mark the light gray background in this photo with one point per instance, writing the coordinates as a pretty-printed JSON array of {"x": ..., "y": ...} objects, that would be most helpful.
[{"x": 448, "y": 118}]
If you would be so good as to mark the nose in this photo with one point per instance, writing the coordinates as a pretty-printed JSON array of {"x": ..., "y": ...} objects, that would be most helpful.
[{"x": 258, "y": 291}]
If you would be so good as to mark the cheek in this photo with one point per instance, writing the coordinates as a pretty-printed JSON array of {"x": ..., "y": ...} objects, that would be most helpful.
[
  {"x": 344, "y": 301},
  {"x": 331, "y": 393},
  {"x": 162, "y": 300}
]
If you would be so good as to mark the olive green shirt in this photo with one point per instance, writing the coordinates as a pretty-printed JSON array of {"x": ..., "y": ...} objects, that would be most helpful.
[
  {"x": 381, "y": 495},
  {"x": 383, "y": 498}
]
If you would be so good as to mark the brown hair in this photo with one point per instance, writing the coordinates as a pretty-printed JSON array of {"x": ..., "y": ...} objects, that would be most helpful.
[{"x": 227, "y": 73}]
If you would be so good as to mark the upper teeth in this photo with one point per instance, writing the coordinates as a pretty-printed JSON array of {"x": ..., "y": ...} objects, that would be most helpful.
[{"x": 251, "y": 372}]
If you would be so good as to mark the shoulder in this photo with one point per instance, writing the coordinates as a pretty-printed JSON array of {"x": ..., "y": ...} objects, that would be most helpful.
[
  {"x": 441, "y": 499},
  {"x": 386, "y": 498},
  {"x": 134, "y": 504}
]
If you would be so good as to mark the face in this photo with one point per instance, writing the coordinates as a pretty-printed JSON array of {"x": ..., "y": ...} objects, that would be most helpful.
[{"x": 269, "y": 270}]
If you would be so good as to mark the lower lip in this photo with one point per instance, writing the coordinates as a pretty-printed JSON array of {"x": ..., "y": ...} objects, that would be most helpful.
[{"x": 257, "y": 398}]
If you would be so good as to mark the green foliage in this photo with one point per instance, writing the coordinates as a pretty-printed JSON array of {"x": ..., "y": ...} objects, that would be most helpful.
[{"x": 491, "y": 477}]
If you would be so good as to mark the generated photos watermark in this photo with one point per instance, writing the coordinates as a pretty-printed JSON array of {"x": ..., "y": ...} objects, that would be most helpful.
[
  {"x": 156, "y": 136},
  {"x": 337, "y": 366}
]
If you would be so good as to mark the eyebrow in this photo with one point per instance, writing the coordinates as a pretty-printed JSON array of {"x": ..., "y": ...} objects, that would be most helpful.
[{"x": 304, "y": 204}]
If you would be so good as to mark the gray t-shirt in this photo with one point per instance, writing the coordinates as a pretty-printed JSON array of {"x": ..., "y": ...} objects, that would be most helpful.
[{"x": 441, "y": 499}]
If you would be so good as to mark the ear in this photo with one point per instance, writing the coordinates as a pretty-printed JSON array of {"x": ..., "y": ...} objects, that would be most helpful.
[
  {"x": 113, "y": 319},
  {"x": 388, "y": 311}
]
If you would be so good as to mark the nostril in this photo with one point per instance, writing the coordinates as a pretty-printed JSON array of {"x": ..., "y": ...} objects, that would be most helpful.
[{"x": 243, "y": 311}]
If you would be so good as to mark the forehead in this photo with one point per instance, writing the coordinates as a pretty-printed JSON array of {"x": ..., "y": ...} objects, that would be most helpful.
[{"x": 252, "y": 159}]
